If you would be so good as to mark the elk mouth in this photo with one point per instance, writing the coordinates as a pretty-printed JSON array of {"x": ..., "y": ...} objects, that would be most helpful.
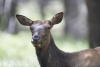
[{"x": 36, "y": 43}]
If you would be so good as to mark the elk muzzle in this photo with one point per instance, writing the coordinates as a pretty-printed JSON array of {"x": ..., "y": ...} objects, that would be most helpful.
[{"x": 36, "y": 39}]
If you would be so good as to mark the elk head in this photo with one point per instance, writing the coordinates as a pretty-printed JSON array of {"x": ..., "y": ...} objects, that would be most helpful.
[{"x": 40, "y": 29}]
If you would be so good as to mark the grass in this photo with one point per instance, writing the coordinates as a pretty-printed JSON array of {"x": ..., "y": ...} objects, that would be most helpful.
[{"x": 17, "y": 50}]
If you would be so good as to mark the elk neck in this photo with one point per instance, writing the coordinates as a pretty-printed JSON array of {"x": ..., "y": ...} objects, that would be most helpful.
[{"x": 51, "y": 52}]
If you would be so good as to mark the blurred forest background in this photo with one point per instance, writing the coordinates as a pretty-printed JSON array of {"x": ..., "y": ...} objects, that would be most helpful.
[{"x": 80, "y": 28}]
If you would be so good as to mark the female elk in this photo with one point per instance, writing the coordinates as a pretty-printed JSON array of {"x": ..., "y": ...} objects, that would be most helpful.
[{"x": 47, "y": 52}]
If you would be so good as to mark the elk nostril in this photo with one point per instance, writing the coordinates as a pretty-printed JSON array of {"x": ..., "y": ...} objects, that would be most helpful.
[{"x": 36, "y": 38}]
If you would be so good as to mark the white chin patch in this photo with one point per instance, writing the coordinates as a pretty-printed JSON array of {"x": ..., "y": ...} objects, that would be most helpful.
[{"x": 32, "y": 40}]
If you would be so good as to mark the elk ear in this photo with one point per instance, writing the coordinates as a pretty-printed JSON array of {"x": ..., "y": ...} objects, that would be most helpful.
[
  {"x": 24, "y": 20},
  {"x": 57, "y": 18}
]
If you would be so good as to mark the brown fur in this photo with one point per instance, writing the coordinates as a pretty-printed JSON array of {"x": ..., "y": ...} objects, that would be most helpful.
[{"x": 47, "y": 52}]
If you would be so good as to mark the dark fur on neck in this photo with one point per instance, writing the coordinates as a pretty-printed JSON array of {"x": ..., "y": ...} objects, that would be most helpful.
[{"x": 51, "y": 56}]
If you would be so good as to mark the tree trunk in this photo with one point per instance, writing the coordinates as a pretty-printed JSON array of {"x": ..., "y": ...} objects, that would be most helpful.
[
  {"x": 2, "y": 14},
  {"x": 94, "y": 22},
  {"x": 10, "y": 9},
  {"x": 42, "y": 6},
  {"x": 75, "y": 18}
]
